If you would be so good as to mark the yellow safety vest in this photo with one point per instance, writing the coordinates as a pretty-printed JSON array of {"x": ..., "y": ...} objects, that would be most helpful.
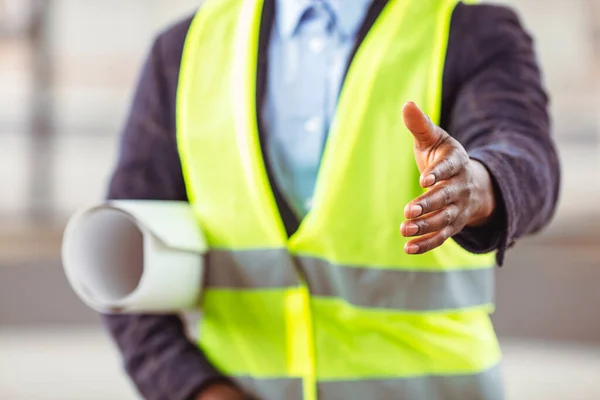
[{"x": 337, "y": 310}]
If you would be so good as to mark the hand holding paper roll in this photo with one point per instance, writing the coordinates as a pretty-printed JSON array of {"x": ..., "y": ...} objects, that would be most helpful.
[{"x": 132, "y": 256}]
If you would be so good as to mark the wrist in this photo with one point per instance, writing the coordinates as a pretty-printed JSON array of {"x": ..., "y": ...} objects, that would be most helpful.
[
  {"x": 221, "y": 391},
  {"x": 483, "y": 198}
]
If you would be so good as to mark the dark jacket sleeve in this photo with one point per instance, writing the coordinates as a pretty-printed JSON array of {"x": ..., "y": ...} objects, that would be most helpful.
[
  {"x": 496, "y": 106},
  {"x": 158, "y": 356}
]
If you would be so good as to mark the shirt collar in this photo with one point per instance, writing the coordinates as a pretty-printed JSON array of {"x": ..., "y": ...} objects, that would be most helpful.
[
  {"x": 348, "y": 13},
  {"x": 288, "y": 14}
]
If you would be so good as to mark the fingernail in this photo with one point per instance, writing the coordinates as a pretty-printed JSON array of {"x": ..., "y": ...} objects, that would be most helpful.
[
  {"x": 429, "y": 180},
  {"x": 414, "y": 211},
  {"x": 411, "y": 229},
  {"x": 411, "y": 248}
]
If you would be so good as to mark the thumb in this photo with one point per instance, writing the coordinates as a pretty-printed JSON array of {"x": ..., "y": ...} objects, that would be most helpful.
[{"x": 425, "y": 133}]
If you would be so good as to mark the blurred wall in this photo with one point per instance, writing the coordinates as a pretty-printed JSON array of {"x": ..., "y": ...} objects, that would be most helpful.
[
  {"x": 96, "y": 50},
  {"x": 567, "y": 35}
]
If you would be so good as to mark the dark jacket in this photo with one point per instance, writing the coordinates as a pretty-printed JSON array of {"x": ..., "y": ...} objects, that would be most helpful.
[{"x": 493, "y": 103}]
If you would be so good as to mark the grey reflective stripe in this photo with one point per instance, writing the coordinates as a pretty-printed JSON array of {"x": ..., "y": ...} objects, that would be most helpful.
[
  {"x": 400, "y": 289},
  {"x": 250, "y": 269},
  {"x": 484, "y": 386},
  {"x": 272, "y": 389},
  {"x": 395, "y": 289}
]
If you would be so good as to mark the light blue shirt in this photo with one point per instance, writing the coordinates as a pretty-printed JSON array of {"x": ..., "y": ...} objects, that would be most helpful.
[{"x": 310, "y": 45}]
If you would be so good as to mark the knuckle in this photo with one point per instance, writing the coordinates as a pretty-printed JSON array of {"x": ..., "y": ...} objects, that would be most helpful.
[
  {"x": 425, "y": 246},
  {"x": 444, "y": 235},
  {"x": 450, "y": 166},
  {"x": 448, "y": 232},
  {"x": 448, "y": 217},
  {"x": 466, "y": 214},
  {"x": 447, "y": 193},
  {"x": 468, "y": 189},
  {"x": 456, "y": 211},
  {"x": 426, "y": 204},
  {"x": 446, "y": 140},
  {"x": 424, "y": 226},
  {"x": 442, "y": 238}
]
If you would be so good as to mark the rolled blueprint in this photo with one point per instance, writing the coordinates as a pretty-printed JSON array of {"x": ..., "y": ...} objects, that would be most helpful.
[{"x": 132, "y": 256}]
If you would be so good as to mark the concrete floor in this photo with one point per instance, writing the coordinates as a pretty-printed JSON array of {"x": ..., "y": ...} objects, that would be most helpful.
[{"x": 81, "y": 364}]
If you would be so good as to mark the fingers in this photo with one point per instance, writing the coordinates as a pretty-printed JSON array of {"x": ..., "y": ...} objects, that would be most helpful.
[
  {"x": 429, "y": 223},
  {"x": 428, "y": 242},
  {"x": 444, "y": 168},
  {"x": 425, "y": 133},
  {"x": 434, "y": 217},
  {"x": 436, "y": 198}
]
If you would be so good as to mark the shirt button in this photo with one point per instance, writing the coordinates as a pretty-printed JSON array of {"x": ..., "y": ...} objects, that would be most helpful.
[
  {"x": 308, "y": 203},
  {"x": 316, "y": 45},
  {"x": 312, "y": 125}
]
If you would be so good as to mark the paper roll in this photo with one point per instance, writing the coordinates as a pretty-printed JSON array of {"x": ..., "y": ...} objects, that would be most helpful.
[{"x": 132, "y": 256}]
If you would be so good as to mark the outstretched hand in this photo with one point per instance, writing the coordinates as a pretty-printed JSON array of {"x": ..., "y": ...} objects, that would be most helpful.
[{"x": 460, "y": 190}]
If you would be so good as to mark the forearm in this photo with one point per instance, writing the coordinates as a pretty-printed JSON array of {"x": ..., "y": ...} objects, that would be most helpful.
[
  {"x": 499, "y": 113},
  {"x": 528, "y": 179},
  {"x": 526, "y": 176},
  {"x": 162, "y": 362},
  {"x": 159, "y": 358}
]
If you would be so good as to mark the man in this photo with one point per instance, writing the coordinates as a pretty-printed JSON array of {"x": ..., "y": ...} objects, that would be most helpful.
[{"x": 311, "y": 137}]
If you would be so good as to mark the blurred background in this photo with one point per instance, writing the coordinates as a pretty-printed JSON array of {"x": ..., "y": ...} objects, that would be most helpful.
[{"x": 67, "y": 71}]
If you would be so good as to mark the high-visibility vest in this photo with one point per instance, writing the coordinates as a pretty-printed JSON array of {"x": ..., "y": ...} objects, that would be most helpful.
[{"x": 337, "y": 310}]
